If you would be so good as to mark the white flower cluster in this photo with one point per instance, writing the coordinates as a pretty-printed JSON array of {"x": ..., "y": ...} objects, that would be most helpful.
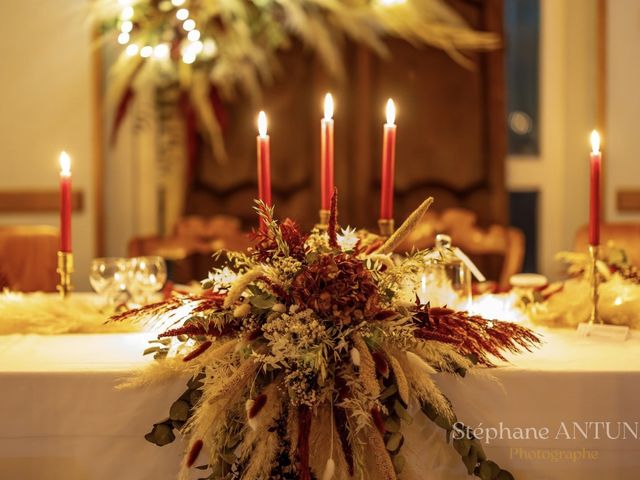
[
  {"x": 287, "y": 268},
  {"x": 298, "y": 342},
  {"x": 318, "y": 241}
]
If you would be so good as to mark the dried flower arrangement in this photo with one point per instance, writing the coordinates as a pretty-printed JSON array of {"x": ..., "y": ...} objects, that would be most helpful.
[
  {"x": 567, "y": 303},
  {"x": 305, "y": 357}
]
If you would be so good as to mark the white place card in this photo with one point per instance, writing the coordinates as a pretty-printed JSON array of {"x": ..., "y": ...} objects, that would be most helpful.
[{"x": 612, "y": 332}]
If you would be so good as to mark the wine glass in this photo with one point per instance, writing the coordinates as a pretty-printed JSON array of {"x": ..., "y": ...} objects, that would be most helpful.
[
  {"x": 147, "y": 275},
  {"x": 108, "y": 277}
]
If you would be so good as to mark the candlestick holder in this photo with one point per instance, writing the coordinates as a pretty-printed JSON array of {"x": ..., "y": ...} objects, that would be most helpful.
[
  {"x": 386, "y": 226},
  {"x": 324, "y": 218},
  {"x": 64, "y": 270},
  {"x": 595, "y": 284}
]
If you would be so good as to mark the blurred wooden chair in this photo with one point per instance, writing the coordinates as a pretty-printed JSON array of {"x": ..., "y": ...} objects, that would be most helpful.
[
  {"x": 191, "y": 246},
  {"x": 497, "y": 250},
  {"x": 623, "y": 235},
  {"x": 28, "y": 257}
]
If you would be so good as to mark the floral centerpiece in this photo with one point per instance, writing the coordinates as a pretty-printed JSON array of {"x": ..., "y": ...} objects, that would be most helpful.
[{"x": 307, "y": 352}]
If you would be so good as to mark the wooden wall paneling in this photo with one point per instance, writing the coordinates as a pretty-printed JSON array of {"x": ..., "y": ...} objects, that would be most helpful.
[
  {"x": 231, "y": 188},
  {"x": 451, "y": 137},
  {"x": 496, "y": 136},
  {"x": 364, "y": 158},
  {"x": 37, "y": 201},
  {"x": 451, "y": 134}
]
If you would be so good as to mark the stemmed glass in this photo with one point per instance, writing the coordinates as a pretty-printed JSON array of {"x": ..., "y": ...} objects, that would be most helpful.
[
  {"x": 108, "y": 277},
  {"x": 147, "y": 275}
]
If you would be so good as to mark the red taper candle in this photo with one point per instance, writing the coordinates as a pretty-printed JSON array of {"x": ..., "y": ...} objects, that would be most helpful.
[
  {"x": 326, "y": 153},
  {"x": 388, "y": 163},
  {"x": 264, "y": 161},
  {"x": 595, "y": 195},
  {"x": 65, "y": 202}
]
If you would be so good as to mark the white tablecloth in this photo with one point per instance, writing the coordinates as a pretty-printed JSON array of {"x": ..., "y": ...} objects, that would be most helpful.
[{"x": 61, "y": 417}]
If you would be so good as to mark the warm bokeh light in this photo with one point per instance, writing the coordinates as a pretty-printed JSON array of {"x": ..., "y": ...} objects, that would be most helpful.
[
  {"x": 194, "y": 35},
  {"x": 262, "y": 123},
  {"x": 132, "y": 49},
  {"x": 189, "y": 24},
  {"x": 65, "y": 164},
  {"x": 146, "y": 51},
  {"x": 127, "y": 13},
  {"x": 328, "y": 107},
  {"x": 123, "y": 38},
  {"x": 161, "y": 51},
  {"x": 391, "y": 112},
  {"x": 595, "y": 142},
  {"x": 182, "y": 14}
]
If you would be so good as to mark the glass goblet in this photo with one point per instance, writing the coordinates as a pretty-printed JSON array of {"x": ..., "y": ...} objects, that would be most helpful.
[
  {"x": 108, "y": 277},
  {"x": 147, "y": 275}
]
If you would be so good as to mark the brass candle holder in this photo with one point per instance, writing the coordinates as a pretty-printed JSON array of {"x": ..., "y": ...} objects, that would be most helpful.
[
  {"x": 386, "y": 226},
  {"x": 324, "y": 218},
  {"x": 593, "y": 254},
  {"x": 64, "y": 270}
]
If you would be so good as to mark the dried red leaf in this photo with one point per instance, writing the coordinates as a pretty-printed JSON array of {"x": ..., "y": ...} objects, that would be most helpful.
[
  {"x": 332, "y": 227},
  {"x": 382, "y": 366},
  {"x": 194, "y": 452},
  {"x": 257, "y": 405},
  {"x": 378, "y": 421},
  {"x": 196, "y": 329},
  {"x": 196, "y": 352},
  {"x": 304, "y": 429}
]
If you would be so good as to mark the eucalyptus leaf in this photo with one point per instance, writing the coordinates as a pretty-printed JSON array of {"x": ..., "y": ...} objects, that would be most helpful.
[
  {"x": 429, "y": 411},
  {"x": 395, "y": 441},
  {"x": 402, "y": 412},
  {"x": 470, "y": 461},
  {"x": 392, "y": 424},
  {"x": 462, "y": 446},
  {"x": 160, "y": 354},
  {"x": 488, "y": 470},
  {"x": 179, "y": 410},
  {"x": 195, "y": 397},
  {"x": 443, "y": 422},
  {"x": 477, "y": 446},
  {"x": 263, "y": 301},
  {"x": 504, "y": 475},
  {"x": 388, "y": 392},
  {"x": 398, "y": 463},
  {"x": 150, "y": 350},
  {"x": 161, "y": 434}
]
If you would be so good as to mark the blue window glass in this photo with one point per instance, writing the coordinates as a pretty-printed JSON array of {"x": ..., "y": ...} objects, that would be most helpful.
[{"x": 522, "y": 32}]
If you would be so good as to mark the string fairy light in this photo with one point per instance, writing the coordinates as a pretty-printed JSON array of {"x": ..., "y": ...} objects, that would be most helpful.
[{"x": 192, "y": 46}]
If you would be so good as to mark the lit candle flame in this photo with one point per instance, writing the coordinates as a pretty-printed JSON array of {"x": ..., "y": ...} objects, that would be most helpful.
[
  {"x": 262, "y": 124},
  {"x": 391, "y": 112},
  {"x": 65, "y": 164},
  {"x": 595, "y": 142},
  {"x": 328, "y": 107}
]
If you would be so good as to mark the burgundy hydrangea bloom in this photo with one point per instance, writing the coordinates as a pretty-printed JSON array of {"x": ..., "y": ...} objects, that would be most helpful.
[{"x": 338, "y": 287}]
